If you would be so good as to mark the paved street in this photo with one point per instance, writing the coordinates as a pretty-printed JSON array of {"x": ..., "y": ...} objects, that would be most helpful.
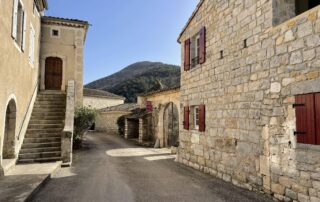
[{"x": 109, "y": 168}]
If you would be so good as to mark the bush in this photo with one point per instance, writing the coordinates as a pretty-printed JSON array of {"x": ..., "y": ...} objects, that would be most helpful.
[
  {"x": 121, "y": 125},
  {"x": 83, "y": 120}
]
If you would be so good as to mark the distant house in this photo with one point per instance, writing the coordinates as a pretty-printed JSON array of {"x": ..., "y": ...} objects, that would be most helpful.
[
  {"x": 99, "y": 99},
  {"x": 107, "y": 118},
  {"x": 41, "y": 65},
  {"x": 157, "y": 119}
]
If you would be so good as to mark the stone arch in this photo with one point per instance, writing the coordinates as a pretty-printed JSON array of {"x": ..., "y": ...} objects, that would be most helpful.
[
  {"x": 9, "y": 138},
  {"x": 170, "y": 125}
]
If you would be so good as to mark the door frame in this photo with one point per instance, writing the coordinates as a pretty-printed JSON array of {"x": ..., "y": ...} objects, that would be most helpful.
[{"x": 43, "y": 70}]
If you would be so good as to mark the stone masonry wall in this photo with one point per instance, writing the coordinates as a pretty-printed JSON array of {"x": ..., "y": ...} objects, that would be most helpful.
[{"x": 249, "y": 93}]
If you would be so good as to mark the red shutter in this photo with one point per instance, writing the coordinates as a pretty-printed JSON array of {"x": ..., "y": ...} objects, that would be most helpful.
[
  {"x": 317, "y": 111},
  {"x": 187, "y": 55},
  {"x": 149, "y": 106},
  {"x": 202, "y": 45},
  {"x": 202, "y": 118},
  {"x": 305, "y": 119},
  {"x": 186, "y": 118}
]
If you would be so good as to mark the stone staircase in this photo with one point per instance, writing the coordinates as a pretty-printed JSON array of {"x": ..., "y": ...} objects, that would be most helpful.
[{"x": 42, "y": 142}]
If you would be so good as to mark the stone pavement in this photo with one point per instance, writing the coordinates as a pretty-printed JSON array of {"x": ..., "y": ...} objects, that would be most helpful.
[
  {"x": 111, "y": 169},
  {"x": 22, "y": 181}
]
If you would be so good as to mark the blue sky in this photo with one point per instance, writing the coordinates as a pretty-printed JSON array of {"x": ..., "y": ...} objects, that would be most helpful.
[{"x": 127, "y": 31}]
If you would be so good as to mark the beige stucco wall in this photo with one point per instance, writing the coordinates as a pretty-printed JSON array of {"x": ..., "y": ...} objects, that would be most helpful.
[
  {"x": 100, "y": 102},
  {"x": 107, "y": 121},
  {"x": 69, "y": 47},
  {"x": 18, "y": 77}
]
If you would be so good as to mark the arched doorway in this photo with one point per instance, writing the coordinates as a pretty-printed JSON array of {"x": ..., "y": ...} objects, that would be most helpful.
[
  {"x": 8, "y": 151},
  {"x": 53, "y": 73},
  {"x": 171, "y": 125}
]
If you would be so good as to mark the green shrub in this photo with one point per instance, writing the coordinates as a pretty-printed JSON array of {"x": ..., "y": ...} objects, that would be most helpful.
[
  {"x": 83, "y": 119},
  {"x": 121, "y": 125}
]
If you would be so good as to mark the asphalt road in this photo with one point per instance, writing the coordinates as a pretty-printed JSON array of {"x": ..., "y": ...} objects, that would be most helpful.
[{"x": 109, "y": 168}]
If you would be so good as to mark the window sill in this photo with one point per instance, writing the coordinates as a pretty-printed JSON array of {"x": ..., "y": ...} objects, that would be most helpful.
[{"x": 308, "y": 147}]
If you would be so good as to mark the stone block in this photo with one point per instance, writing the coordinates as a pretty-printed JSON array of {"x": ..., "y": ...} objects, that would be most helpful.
[{"x": 277, "y": 188}]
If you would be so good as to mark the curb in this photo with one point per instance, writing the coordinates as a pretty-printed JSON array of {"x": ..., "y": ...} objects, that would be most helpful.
[{"x": 42, "y": 184}]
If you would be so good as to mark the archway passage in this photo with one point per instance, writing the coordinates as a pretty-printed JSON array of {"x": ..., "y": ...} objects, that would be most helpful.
[
  {"x": 8, "y": 151},
  {"x": 53, "y": 73},
  {"x": 171, "y": 125}
]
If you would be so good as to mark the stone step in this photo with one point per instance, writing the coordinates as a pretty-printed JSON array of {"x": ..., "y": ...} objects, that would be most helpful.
[
  {"x": 37, "y": 150},
  {"x": 47, "y": 118},
  {"x": 51, "y": 106},
  {"x": 44, "y": 114},
  {"x": 41, "y": 121},
  {"x": 42, "y": 139},
  {"x": 46, "y": 109},
  {"x": 42, "y": 131},
  {"x": 51, "y": 92},
  {"x": 44, "y": 135},
  {"x": 45, "y": 126},
  {"x": 40, "y": 155},
  {"x": 39, "y": 160},
  {"x": 41, "y": 145},
  {"x": 50, "y": 102}
]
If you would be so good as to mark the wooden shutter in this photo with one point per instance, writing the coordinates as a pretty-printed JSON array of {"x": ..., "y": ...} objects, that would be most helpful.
[
  {"x": 24, "y": 31},
  {"x": 186, "y": 118},
  {"x": 187, "y": 55},
  {"x": 202, "y": 118},
  {"x": 14, "y": 19},
  {"x": 317, "y": 111},
  {"x": 305, "y": 119},
  {"x": 149, "y": 106},
  {"x": 202, "y": 45}
]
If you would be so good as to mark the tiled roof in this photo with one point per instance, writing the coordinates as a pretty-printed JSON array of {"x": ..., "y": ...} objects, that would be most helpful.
[
  {"x": 123, "y": 107},
  {"x": 138, "y": 113},
  {"x": 190, "y": 19},
  {"x": 161, "y": 91},
  {"x": 100, "y": 93},
  {"x": 66, "y": 21}
]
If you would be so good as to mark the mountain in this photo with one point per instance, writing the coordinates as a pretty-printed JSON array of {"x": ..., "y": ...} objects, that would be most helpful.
[{"x": 138, "y": 78}]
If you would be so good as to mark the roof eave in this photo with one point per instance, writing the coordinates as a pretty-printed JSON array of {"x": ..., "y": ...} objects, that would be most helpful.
[{"x": 190, "y": 19}]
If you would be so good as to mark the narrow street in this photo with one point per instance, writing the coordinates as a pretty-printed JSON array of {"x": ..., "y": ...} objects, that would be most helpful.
[{"x": 109, "y": 168}]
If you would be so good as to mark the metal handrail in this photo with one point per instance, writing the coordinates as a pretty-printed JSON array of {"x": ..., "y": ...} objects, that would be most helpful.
[{"x": 25, "y": 116}]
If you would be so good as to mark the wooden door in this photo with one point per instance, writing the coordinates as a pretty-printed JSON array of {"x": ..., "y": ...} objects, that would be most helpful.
[{"x": 53, "y": 73}]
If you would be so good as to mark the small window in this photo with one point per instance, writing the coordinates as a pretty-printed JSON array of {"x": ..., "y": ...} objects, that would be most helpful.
[
  {"x": 55, "y": 33},
  {"x": 195, "y": 117},
  {"x": 221, "y": 54},
  {"x": 303, "y": 6},
  {"x": 245, "y": 43}
]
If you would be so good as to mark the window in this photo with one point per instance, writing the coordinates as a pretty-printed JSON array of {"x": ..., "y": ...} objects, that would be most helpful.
[
  {"x": 55, "y": 32},
  {"x": 196, "y": 117},
  {"x": 195, "y": 50},
  {"x": 302, "y": 6},
  {"x": 308, "y": 118},
  {"x": 31, "y": 45},
  {"x": 19, "y": 24}
]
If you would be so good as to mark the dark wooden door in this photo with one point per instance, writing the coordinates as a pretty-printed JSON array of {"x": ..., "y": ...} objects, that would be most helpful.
[{"x": 53, "y": 73}]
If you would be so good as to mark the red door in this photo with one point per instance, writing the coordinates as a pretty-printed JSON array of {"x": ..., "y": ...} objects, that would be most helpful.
[{"x": 53, "y": 73}]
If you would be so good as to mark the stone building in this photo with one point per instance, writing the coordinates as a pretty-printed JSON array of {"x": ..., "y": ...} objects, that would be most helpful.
[
  {"x": 107, "y": 118},
  {"x": 35, "y": 80},
  {"x": 250, "y": 99},
  {"x": 157, "y": 119},
  {"x": 99, "y": 99}
]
